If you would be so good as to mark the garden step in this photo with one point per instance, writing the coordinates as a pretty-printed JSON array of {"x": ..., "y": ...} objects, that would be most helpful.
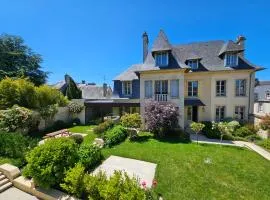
[
  {"x": 2, "y": 177},
  {"x": 5, "y": 186},
  {"x": 4, "y": 181}
]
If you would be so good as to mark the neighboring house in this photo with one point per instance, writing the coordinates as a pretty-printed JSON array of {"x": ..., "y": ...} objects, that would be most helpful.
[
  {"x": 262, "y": 100},
  {"x": 207, "y": 81}
]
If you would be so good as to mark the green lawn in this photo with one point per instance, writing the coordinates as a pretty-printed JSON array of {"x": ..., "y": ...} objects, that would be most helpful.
[
  {"x": 182, "y": 173},
  {"x": 88, "y": 129}
]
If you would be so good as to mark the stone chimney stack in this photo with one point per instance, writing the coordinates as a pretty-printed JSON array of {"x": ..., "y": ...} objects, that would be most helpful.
[
  {"x": 145, "y": 45},
  {"x": 105, "y": 88},
  {"x": 240, "y": 40}
]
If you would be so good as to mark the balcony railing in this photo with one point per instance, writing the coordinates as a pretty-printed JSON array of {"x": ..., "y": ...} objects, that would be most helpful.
[{"x": 161, "y": 97}]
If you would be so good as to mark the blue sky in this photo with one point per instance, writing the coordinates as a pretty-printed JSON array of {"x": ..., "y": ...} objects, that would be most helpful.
[{"x": 91, "y": 40}]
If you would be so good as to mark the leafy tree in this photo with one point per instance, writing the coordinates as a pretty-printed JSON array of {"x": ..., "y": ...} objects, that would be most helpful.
[
  {"x": 72, "y": 91},
  {"x": 9, "y": 93},
  {"x": 48, "y": 162},
  {"x": 160, "y": 117},
  {"x": 226, "y": 128},
  {"x": 18, "y": 60},
  {"x": 197, "y": 127}
]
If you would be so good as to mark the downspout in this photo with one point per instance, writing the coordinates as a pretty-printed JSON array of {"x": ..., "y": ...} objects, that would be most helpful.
[{"x": 250, "y": 75}]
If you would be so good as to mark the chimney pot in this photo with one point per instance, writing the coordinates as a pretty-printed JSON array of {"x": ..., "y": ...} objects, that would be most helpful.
[
  {"x": 240, "y": 40},
  {"x": 105, "y": 87}
]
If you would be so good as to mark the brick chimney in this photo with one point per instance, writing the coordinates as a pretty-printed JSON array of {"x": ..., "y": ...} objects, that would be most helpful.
[
  {"x": 240, "y": 40},
  {"x": 145, "y": 45},
  {"x": 105, "y": 88}
]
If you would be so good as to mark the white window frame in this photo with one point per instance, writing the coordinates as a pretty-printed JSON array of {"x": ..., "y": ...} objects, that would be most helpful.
[
  {"x": 218, "y": 118},
  {"x": 218, "y": 86},
  {"x": 192, "y": 62},
  {"x": 127, "y": 85},
  {"x": 267, "y": 95},
  {"x": 162, "y": 86},
  {"x": 192, "y": 88},
  {"x": 151, "y": 88},
  {"x": 229, "y": 60},
  {"x": 157, "y": 54},
  {"x": 171, "y": 88},
  {"x": 237, "y": 112},
  {"x": 260, "y": 107},
  {"x": 238, "y": 90}
]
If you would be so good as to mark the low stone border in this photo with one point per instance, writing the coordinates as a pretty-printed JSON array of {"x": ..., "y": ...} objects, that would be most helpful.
[{"x": 28, "y": 186}]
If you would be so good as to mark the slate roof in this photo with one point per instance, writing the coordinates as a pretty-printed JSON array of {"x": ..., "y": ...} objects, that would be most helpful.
[
  {"x": 231, "y": 46},
  {"x": 88, "y": 91},
  {"x": 161, "y": 43},
  {"x": 209, "y": 53}
]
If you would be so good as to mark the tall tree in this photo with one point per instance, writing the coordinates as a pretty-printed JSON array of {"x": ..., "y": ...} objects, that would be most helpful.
[
  {"x": 18, "y": 60},
  {"x": 72, "y": 91}
]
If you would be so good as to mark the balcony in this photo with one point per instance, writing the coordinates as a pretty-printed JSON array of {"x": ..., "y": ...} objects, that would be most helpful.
[{"x": 161, "y": 97}]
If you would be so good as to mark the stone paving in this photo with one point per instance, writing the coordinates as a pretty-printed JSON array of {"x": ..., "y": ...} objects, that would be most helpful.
[
  {"x": 145, "y": 171},
  {"x": 16, "y": 194}
]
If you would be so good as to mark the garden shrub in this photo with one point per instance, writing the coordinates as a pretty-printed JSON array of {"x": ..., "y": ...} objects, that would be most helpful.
[
  {"x": 101, "y": 128},
  {"x": 73, "y": 181},
  {"x": 118, "y": 186},
  {"x": 160, "y": 118},
  {"x": 209, "y": 131},
  {"x": 15, "y": 118},
  {"x": 253, "y": 138},
  {"x": 89, "y": 155},
  {"x": 15, "y": 145},
  {"x": 76, "y": 121},
  {"x": 131, "y": 120},
  {"x": 265, "y": 122},
  {"x": 48, "y": 162},
  {"x": 242, "y": 132},
  {"x": 59, "y": 124},
  {"x": 115, "y": 135},
  {"x": 265, "y": 143},
  {"x": 77, "y": 138}
]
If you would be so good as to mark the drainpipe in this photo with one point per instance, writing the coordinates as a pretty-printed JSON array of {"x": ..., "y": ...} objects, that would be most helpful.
[{"x": 249, "y": 94}]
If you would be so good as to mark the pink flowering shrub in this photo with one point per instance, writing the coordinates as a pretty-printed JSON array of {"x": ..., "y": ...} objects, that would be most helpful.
[{"x": 160, "y": 117}]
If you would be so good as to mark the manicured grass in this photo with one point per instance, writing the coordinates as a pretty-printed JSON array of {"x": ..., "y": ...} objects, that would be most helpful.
[
  {"x": 86, "y": 130},
  {"x": 183, "y": 173},
  {"x": 17, "y": 162}
]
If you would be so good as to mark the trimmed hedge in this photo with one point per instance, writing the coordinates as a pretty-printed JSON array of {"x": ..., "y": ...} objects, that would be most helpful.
[
  {"x": 101, "y": 128},
  {"x": 115, "y": 135},
  {"x": 209, "y": 132}
]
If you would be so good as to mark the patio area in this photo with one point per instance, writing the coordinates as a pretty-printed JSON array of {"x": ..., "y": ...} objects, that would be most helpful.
[{"x": 144, "y": 171}]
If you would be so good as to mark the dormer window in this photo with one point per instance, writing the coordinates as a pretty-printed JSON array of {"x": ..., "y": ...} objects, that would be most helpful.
[
  {"x": 162, "y": 59},
  {"x": 231, "y": 59},
  {"x": 267, "y": 95},
  {"x": 194, "y": 64}
]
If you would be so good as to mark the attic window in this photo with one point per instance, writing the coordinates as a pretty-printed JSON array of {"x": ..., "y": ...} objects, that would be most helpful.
[
  {"x": 194, "y": 64},
  {"x": 267, "y": 95},
  {"x": 162, "y": 58},
  {"x": 231, "y": 59}
]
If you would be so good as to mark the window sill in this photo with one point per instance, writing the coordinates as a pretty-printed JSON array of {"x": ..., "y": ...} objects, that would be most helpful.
[{"x": 221, "y": 96}]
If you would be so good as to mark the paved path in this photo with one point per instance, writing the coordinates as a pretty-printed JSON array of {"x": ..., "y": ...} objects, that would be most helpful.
[
  {"x": 145, "y": 171},
  {"x": 16, "y": 194},
  {"x": 252, "y": 146}
]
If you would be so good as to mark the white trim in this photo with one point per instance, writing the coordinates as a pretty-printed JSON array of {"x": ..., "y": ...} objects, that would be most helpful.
[
  {"x": 123, "y": 88},
  {"x": 192, "y": 88},
  {"x": 226, "y": 57}
]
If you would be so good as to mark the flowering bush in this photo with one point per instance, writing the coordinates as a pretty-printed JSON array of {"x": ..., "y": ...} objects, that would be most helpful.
[
  {"x": 160, "y": 117},
  {"x": 74, "y": 107},
  {"x": 15, "y": 118},
  {"x": 265, "y": 123},
  {"x": 131, "y": 120},
  {"x": 197, "y": 127}
]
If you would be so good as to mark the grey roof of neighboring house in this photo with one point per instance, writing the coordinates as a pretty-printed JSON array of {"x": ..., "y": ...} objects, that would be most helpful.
[
  {"x": 89, "y": 91},
  {"x": 261, "y": 90},
  {"x": 207, "y": 52}
]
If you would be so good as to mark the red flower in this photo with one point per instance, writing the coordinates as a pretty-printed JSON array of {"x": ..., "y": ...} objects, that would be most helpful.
[{"x": 154, "y": 183}]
